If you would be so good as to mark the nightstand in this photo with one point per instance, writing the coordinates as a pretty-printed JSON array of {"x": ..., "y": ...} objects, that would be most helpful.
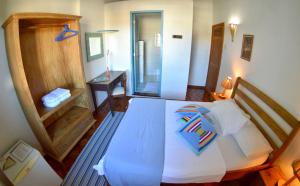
[
  {"x": 215, "y": 97},
  {"x": 270, "y": 176}
]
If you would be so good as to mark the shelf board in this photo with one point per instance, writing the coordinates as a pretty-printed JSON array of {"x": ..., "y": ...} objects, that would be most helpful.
[
  {"x": 45, "y": 112},
  {"x": 64, "y": 148},
  {"x": 68, "y": 122},
  {"x": 68, "y": 130}
]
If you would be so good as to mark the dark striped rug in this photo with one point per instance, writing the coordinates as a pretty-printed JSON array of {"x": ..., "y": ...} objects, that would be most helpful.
[{"x": 82, "y": 172}]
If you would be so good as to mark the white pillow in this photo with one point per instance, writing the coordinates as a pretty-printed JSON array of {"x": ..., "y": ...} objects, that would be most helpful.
[
  {"x": 230, "y": 117},
  {"x": 232, "y": 100},
  {"x": 252, "y": 142}
]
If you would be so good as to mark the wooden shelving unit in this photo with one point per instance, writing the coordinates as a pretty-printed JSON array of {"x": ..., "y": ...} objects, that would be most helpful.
[{"x": 39, "y": 65}]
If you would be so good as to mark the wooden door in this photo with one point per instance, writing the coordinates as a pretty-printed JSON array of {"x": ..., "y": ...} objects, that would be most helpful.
[{"x": 215, "y": 58}]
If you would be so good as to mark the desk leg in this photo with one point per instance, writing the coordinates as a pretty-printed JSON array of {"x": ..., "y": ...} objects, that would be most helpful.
[
  {"x": 94, "y": 99},
  {"x": 109, "y": 94},
  {"x": 123, "y": 83}
]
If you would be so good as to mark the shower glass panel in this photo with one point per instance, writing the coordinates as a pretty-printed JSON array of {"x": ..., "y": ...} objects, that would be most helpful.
[{"x": 146, "y": 53}]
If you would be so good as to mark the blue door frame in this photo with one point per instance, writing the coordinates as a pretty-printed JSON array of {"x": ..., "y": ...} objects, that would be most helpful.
[{"x": 132, "y": 45}]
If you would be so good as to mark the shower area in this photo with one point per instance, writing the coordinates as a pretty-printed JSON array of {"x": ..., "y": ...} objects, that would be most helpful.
[{"x": 146, "y": 52}]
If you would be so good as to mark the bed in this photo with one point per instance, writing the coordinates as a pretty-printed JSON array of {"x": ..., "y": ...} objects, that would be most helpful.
[{"x": 149, "y": 157}]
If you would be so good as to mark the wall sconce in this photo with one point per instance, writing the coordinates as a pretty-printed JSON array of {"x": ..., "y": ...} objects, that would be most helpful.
[
  {"x": 233, "y": 28},
  {"x": 234, "y": 21}
]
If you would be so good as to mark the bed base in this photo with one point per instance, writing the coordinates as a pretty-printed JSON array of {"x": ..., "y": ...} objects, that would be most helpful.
[
  {"x": 229, "y": 176},
  {"x": 237, "y": 174}
]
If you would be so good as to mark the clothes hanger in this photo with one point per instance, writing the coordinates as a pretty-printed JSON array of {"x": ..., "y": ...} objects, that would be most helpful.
[{"x": 62, "y": 35}]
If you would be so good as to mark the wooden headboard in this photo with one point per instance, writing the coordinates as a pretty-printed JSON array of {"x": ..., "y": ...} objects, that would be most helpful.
[{"x": 243, "y": 92}]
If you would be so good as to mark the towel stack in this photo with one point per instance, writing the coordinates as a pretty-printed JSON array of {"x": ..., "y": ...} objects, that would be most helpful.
[{"x": 55, "y": 97}]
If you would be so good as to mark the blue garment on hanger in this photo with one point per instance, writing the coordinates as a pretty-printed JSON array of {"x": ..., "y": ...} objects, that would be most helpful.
[{"x": 62, "y": 35}]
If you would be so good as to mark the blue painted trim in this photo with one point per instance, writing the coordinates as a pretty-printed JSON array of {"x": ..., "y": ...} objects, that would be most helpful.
[
  {"x": 132, "y": 33},
  {"x": 161, "y": 48},
  {"x": 132, "y": 45}
]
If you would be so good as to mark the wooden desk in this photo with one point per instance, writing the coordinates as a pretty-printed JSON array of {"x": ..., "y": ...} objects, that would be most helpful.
[{"x": 101, "y": 83}]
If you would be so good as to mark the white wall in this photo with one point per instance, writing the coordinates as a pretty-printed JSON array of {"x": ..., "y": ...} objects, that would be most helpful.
[
  {"x": 203, "y": 18},
  {"x": 274, "y": 67},
  {"x": 176, "y": 52},
  {"x": 92, "y": 12},
  {"x": 13, "y": 124}
]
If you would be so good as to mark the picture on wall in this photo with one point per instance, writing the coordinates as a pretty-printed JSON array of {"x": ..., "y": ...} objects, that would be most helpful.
[{"x": 247, "y": 47}]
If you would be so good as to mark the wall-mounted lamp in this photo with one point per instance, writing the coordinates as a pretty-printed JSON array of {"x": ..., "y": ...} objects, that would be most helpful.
[
  {"x": 234, "y": 21},
  {"x": 233, "y": 28}
]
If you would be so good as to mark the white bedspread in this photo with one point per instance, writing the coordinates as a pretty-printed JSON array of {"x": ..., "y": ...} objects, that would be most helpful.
[{"x": 181, "y": 165}]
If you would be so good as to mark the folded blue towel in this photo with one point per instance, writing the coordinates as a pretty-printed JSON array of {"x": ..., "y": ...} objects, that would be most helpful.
[{"x": 198, "y": 133}]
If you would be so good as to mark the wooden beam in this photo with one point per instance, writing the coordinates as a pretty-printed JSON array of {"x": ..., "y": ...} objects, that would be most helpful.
[
  {"x": 236, "y": 85},
  {"x": 264, "y": 116},
  {"x": 260, "y": 128},
  {"x": 282, "y": 112}
]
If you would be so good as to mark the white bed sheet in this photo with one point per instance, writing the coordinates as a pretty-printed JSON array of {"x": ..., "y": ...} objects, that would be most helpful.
[
  {"x": 181, "y": 165},
  {"x": 234, "y": 157}
]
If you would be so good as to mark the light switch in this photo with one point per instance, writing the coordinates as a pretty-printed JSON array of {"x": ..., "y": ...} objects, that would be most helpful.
[{"x": 177, "y": 36}]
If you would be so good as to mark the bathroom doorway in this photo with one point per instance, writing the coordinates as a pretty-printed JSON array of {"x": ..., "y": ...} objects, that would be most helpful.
[{"x": 146, "y": 36}]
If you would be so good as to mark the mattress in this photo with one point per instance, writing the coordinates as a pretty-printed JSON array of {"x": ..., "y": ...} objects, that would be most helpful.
[
  {"x": 181, "y": 165},
  {"x": 222, "y": 155}
]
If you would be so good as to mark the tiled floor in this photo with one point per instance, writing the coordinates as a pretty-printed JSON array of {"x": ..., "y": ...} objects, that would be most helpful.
[{"x": 120, "y": 104}]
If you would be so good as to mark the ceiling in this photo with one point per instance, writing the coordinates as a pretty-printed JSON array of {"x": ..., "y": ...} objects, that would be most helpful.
[{"x": 110, "y": 1}]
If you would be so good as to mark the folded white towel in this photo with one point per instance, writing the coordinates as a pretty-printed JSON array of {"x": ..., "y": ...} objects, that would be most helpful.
[
  {"x": 56, "y": 94},
  {"x": 51, "y": 104},
  {"x": 55, "y": 97},
  {"x": 61, "y": 91}
]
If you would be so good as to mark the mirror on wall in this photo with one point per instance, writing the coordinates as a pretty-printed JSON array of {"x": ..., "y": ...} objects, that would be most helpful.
[{"x": 94, "y": 45}]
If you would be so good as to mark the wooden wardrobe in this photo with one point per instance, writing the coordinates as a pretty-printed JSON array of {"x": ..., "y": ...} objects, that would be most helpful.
[{"x": 38, "y": 65}]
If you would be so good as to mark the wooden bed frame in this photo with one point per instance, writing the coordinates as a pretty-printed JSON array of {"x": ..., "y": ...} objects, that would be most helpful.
[{"x": 242, "y": 99}]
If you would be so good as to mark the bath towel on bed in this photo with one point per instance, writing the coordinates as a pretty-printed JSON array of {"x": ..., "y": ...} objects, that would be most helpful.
[{"x": 198, "y": 133}]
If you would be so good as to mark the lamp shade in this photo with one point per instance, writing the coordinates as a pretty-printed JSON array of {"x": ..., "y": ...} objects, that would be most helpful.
[{"x": 227, "y": 83}]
